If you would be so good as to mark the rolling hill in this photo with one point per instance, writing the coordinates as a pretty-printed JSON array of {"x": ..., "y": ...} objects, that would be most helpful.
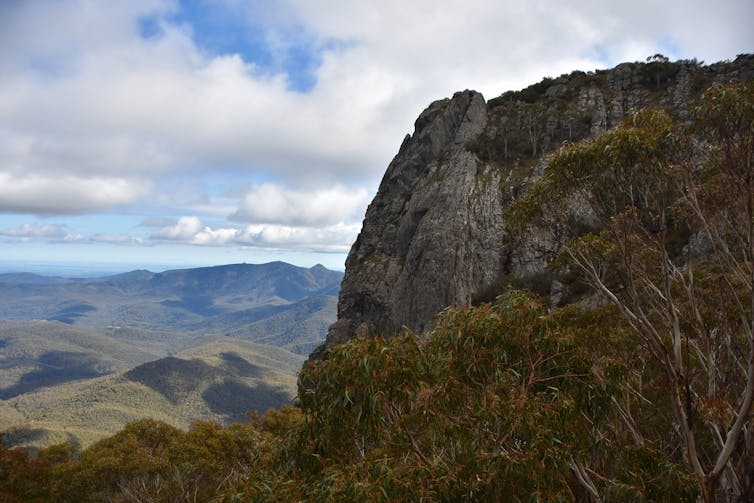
[
  {"x": 81, "y": 357},
  {"x": 218, "y": 378}
]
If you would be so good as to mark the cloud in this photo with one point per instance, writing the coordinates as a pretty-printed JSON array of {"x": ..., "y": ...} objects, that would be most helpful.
[
  {"x": 273, "y": 204},
  {"x": 84, "y": 94},
  {"x": 65, "y": 194},
  {"x": 36, "y": 231},
  {"x": 118, "y": 239},
  {"x": 59, "y": 234},
  {"x": 191, "y": 230},
  {"x": 330, "y": 238},
  {"x": 163, "y": 105},
  {"x": 72, "y": 238}
]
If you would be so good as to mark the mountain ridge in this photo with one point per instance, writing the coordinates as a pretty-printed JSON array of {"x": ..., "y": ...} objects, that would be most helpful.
[{"x": 184, "y": 300}]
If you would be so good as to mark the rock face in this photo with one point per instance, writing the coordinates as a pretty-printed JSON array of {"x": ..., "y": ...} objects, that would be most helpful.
[{"x": 434, "y": 235}]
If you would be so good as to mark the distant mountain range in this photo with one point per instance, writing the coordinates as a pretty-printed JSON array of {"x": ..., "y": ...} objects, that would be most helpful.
[
  {"x": 229, "y": 299},
  {"x": 80, "y": 357}
]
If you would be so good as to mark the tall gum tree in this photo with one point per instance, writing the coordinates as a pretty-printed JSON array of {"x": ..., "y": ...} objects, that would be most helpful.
[{"x": 671, "y": 212}]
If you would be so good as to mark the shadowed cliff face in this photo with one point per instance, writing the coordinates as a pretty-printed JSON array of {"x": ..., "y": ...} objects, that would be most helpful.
[
  {"x": 433, "y": 231},
  {"x": 434, "y": 235}
]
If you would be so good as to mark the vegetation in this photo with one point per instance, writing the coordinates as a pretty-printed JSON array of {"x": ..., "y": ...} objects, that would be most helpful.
[
  {"x": 647, "y": 184},
  {"x": 218, "y": 379},
  {"x": 499, "y": 401},
  {"x": 525, "y": 125},
  {"x": 646, "y": 397}
]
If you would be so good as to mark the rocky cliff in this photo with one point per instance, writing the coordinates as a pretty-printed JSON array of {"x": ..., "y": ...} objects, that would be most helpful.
[{"x": 434, "y": 235}]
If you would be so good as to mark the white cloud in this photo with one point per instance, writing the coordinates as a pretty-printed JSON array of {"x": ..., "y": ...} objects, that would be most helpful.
[
  {"x": 36, "y": 231},
  {"x": 64, "y": 194},
  {"x": 118, "y": 239},
  {"x": 274, "y": 204},
  {"x": 191, "y": 230},
  {"x": 184, "y": 230},
  {"x": 329, "y": 238},
  {"x": 100, "y": 101},
  {"x": 73, "y": 238},
  {"x": 59, "y": 233}
]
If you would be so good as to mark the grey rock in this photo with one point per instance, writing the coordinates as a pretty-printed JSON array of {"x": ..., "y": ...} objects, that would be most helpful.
[
  {"x": 556, "y": 293},
  {"x": 435, "y": 234},
  {"x": 432, "y": 234},
  {"x": 592, "y": 102}
]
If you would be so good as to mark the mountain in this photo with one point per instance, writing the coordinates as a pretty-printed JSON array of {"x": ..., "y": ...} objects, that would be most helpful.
[
  {"x": 216, "y": 378},
  {"x": 645, "y": 395},
  {"x": 434, "y": 235},
  {"x": 299, "y": 327},
  {"x": 81, "y": 357},
  {"x": 30, "y": 278},
  {"x": 183, "y": 302},
  {"x": 41, "y": 354}
]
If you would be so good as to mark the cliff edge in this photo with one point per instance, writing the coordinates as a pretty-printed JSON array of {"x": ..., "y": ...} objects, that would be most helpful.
[{"x": 434, "y": 235}]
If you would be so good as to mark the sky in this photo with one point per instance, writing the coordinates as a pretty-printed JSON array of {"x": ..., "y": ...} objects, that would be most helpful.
[{"x": 163, "y": 133}]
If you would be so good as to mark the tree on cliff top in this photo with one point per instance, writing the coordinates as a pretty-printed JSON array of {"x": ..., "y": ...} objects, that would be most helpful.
[{"x": 674, "y": 206}]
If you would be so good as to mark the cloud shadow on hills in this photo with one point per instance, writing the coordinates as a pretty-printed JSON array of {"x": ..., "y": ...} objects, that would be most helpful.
[
  {"x": 240, "y": 366},
  {"x": 16, "y": 436},
  {"x": 172, "y": 377},
  {"x": 202, "y": 305},
  {"x": 236, "y": 399},
  {"x": 55, "y": 367},
  {"x": 70, "y": 314}
]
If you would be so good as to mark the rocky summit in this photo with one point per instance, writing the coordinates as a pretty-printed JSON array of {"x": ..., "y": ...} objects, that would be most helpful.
[{"x": 434, "y": 235}]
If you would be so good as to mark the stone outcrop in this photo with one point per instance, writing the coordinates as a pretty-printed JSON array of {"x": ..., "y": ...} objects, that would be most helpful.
[{"x": 434, "y": 235}]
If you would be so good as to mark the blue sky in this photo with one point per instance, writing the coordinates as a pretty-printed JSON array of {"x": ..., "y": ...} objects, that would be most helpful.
[{"x": 155, "y": 133}]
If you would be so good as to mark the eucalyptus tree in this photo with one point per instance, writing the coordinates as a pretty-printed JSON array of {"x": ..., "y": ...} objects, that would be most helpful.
[{"x": 669, "y": 210}]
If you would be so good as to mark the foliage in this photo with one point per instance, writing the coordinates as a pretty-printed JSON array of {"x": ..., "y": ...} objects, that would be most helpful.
[
  {"x": 647, "y": 185},
  {"x": 523, "y": 125},
  {"x": 153, "y": 461},
  {"x": 27, "y": 479},
  {"x": 528, "y": 95},
  {"x": 536, "y": 283},
  {"x": 503, "y": 400}
]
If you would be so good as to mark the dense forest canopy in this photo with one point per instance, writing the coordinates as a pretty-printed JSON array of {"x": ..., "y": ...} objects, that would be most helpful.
[{"x": 639, "y": 388}]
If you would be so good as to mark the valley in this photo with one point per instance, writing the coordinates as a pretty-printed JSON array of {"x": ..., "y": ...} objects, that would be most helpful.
[{"x": 80, "y": 358}]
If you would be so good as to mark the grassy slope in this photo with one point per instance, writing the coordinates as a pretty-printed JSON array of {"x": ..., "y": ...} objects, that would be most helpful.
[
  {"x": 42, "y": 353},
  {"x": 218, "y": 378}
]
